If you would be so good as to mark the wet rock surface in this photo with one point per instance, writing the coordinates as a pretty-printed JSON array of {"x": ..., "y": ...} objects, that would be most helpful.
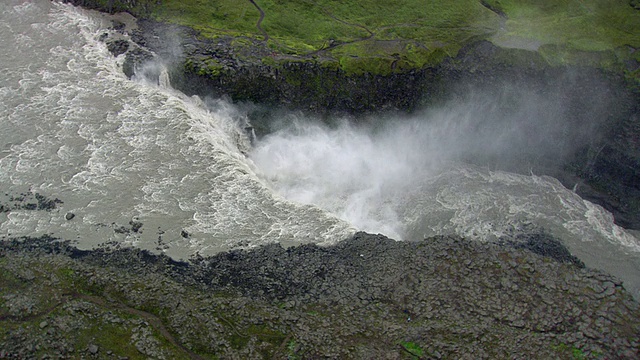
[
  {"x": 367, "y": 297},
  {"x": 27, "y": 200}
]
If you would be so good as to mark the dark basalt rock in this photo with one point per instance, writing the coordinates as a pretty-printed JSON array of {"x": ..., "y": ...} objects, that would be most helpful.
[
  {"x": 610, "y": 169},
  {"x": 208, "y": 67},
  {"x": 30, "y": 201},
  {"x": 118, "y": 26},
  {"x": 547, "y": 246},
  {"x": 135, "y": 225},
  {"x": 135, "y": 59},
  {"x": 118, "y": 47},
  {"x": 368, "y": 297},
  {"x": 45, "y": 203}
]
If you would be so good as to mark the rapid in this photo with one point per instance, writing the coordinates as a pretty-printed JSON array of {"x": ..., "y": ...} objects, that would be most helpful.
[{"x": 117, "y": 151}]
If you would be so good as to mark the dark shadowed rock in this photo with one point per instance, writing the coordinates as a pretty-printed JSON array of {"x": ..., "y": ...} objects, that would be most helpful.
[
  {"x": 118, "y": 26},
  {"x": 135, "y": 225},
  {"x": 546, "y": 245},
  {"x": 118, "y": 47},
  {"x": 134, "y": 60}
]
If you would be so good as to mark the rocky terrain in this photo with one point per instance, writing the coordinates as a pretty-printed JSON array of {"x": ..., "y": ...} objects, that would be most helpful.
[{"x": 367, "y": 298}]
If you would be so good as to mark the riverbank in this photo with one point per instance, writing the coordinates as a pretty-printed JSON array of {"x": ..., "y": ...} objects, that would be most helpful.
[
  {"x": 95, "y": 158},
  {"x": 367, "y": 297}
]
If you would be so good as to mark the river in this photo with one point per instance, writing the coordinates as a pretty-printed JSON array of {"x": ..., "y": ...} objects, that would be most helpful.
[{"x": 119, "y": 152}]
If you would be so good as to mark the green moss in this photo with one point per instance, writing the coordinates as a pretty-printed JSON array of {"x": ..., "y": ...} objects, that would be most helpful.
[
  {"x": 209, "y": 67},
  {"x": 238, "y": 341},
  {"x": 264, "y": 333},
  {"x": 595, "y": 25},
  {"x": 413, "y": 348},
  {"x": 386, "y": 57},
  {"x": 569, "y": 352},
  {"x": 65, "y": 273},
  {"x": 561, "y": 55},
  {"x": 8, "y": 280},
  {"x": 268, "y": 60},
  {"x": 267, "y": 334},
  {"x": 212, "y": 18},
  {"x": 118, "y": 338},
  {"x": 355, "y": 65},
  {"x": 107, "y": 336},
  {"x": 301, "y": 27},
  {"x": 392, "y": 36},
  {"x": 292, "y": 346}
]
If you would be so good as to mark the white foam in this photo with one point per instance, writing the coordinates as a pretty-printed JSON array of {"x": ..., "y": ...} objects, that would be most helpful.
[
  {"x": 119, "y": 149},
  {"x": 404, "y": 179},
  {"x": 115, "y": 150}
]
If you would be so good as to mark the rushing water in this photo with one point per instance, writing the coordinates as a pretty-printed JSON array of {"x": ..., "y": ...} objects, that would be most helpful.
[{"x": 73, "y": 127}]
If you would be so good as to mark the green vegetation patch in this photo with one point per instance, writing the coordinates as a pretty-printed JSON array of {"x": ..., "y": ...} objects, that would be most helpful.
[
  {"x": 570, "y": 352},
  {"x": 108, "y": 336},
  {"x": 304, "y": 25},
  {"x": 211, "y": 18},
  {"x": 206, "y": 67},
  {"x": 387, "y": 56},
  {"x": 588, "y": 25},
  {"x": 413, "y": 348},
  {"x": 390, "y": 36},
  {"x": 362, "y": 36}
]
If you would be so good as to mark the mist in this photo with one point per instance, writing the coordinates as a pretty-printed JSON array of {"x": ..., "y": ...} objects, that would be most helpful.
[{"x": 366, "y": 170}]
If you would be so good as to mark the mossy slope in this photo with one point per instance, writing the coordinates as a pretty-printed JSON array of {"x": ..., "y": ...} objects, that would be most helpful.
[{"x": 393, "y": 36}]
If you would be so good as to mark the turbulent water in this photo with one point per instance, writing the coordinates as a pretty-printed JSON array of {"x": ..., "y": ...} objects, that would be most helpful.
[{"x": 117, "y": 151}]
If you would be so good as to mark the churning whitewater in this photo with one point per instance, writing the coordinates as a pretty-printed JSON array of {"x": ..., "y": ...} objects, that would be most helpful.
[{"x": 117, "y": 152}]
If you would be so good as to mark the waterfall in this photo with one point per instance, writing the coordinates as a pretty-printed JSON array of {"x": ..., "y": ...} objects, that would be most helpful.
[{"x": 163, "y": 79}]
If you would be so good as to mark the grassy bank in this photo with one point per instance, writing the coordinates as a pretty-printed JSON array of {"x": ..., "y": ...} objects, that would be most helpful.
[
  {"x": 383, "y": 37},
  {"x": 402, "y": 33},
  {"x": 588, "y": 25}
]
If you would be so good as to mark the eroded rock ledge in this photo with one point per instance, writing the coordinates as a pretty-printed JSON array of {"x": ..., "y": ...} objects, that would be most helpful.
[{"x": 368, "y": 297}]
